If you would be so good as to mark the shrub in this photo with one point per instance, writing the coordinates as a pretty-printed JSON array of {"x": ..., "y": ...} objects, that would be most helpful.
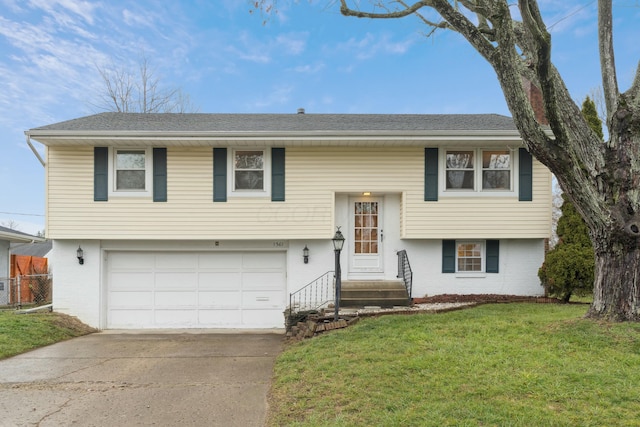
[{"x": 568, "y": 269}]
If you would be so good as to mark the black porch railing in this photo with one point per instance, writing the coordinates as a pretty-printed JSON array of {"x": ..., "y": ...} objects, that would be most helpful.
[
  {"x": 404, "y": 271},
  {"x": 314, "y": 295}
]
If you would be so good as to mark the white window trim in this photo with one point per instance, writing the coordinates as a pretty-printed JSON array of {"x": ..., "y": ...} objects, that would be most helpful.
[
  {"x": 231, "y": 175},
  {"x": 477, "y": 170},
  {"x": 148, "y": 173},
  {"x": 483, "y": 259}
]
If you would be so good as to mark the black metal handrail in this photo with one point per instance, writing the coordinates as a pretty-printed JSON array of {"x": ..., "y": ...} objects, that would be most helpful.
[
  {"x": 404, "y": 271},
  {"x": 314, "y": 295}
]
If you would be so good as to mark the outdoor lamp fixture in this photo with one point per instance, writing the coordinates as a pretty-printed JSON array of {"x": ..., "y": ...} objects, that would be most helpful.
[
  {"x": 305, "y": 254},
  {"x": 338, "y": 243},
  {"x": 80, "y": 255}
]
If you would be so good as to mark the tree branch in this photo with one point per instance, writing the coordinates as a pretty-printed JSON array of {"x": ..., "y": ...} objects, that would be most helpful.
[
  {"x": 347, "y": 11},
  {"x": 548, "y": 77},
  {"x": 434, "y": 25},
  {"x": 634, "y": 91},
  {"x": 607, "y": 61},
  {"x": 461, "y": 24}
]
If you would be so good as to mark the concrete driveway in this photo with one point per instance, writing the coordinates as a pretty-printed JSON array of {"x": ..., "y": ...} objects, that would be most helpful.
[{"x": 194, "y": 378}]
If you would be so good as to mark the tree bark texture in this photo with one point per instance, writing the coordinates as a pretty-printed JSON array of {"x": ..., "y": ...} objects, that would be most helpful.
[{"x": 602, "y": 179}]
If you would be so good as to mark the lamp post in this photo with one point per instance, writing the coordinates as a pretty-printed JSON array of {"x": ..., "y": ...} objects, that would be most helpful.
[{"x": 338, "y": 243}]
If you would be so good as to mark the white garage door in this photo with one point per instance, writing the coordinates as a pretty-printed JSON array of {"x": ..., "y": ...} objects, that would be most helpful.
[{"x": 195, "y": 290}]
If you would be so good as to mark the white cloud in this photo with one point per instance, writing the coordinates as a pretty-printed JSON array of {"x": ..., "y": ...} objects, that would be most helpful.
[
  {"x": 310, "y": 68},
  {"x": 292, "y": 43},
  {"x": 135, "y": 19},
  {"x": 372, "y": 45},
  {"x": 81, "y": 8},
  {"x": 249, "y": 48},
  {"x": 278, "y": 96},
  {"x": 12, "y": 5}
]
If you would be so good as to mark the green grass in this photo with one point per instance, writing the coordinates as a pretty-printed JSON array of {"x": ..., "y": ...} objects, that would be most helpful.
[
  {"x": 492, "y": 365},
  {"x": 24, "y": 332}
]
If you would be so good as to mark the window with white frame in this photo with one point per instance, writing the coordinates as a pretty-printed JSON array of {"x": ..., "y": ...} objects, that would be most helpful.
[
  {"x": 460, "y": 172},
  {"x": 131, "y": 169},
  {"x": 469, "y": 256},
  {"x": 496, "y": 170},
  {"x": 478, "y": 170},
  {"x": 248, "y": 170}
]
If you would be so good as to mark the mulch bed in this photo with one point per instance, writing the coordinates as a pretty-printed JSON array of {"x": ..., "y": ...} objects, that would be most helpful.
[{"x": 483, "y": 298}]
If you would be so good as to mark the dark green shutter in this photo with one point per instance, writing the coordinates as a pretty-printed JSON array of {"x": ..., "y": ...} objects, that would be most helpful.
[
  {"x": 100, "y": 174},
  {"x": 277, "y": 174},
  {"x": 159, "y": 174},
  {"x": 525, "y": 193},
  {"x": 493, "y": 256},
  {"x": 448, "y": 256},
  {"x": 430, "y": 174},
  {"x": 219, "y": 174}
]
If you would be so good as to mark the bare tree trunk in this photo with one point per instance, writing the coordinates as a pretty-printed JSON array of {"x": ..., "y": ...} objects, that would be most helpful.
[
  {"x": 617, "y": 246},
  {"x": 616, "y": 293}
]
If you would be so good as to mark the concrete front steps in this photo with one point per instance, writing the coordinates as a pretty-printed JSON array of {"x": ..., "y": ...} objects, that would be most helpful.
[{"x": 381, "y": 293}]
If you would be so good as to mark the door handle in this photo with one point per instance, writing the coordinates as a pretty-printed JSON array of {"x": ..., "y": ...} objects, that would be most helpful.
[{"x": 382, "y": 235}]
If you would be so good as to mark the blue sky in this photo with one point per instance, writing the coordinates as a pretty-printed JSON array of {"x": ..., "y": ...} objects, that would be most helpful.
[{"x": 229, "y": 61}]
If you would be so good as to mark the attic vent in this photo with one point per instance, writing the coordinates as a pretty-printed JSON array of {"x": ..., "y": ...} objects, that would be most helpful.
[{"x": 300, "y": 110}]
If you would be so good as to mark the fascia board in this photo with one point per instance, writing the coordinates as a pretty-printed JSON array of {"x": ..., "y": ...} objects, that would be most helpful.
[
  {"x": 20, "y": 238},
  {"x": 52, "y": 138}
]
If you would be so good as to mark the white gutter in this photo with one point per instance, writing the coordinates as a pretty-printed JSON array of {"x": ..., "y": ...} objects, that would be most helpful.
[
  {"x": 18, "y": 237},
  {"x": 396, "y": 134},
  {"x": 34, "y": 150},
  {"x": 309, "y": 138}
]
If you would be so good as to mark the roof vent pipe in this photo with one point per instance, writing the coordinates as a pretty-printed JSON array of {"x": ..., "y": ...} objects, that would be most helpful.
[{"x": 300, "y": 110}]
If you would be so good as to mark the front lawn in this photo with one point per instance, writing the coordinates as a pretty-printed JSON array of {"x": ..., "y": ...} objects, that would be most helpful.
[
  {"x": 492, "y": 365},
  {"x": 24, "y": 332}
]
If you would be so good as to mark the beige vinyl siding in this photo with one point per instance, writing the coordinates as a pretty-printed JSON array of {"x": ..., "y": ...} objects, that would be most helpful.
[
  {"x": 481, "y": 216},
  {"x": 189, "y": 213},
  {"x": 313, "y": 176}
]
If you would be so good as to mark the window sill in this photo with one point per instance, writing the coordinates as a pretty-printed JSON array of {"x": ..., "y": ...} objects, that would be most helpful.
[
  {"x": 474, "y": 275},
  {"x": 130, "y": 194},
  {"x": 250, "y": 194},
  {"x": 471, "y": 194}
]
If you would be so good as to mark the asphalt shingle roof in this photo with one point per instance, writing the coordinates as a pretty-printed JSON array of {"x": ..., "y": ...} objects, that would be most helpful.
[
  {"x": 32, "y": 249},
  {"x": 166, "y": 122}
]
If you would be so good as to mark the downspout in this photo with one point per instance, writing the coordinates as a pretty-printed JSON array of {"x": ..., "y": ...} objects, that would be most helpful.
[{"x": 42, "y": 162}]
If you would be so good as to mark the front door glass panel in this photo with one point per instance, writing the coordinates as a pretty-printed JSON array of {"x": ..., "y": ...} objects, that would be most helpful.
[{"x": 366, "y": 229}]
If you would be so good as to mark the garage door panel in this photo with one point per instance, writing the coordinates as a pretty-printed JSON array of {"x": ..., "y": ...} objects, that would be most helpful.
[
  {"x": 213, "y": 318},
  {"x": 131, "y": 280},
  {"x": 124, "y": 260},
  {"x": 220, "y": 281},
  {"x": 263, "y": 260},
  {"x": 262, "y": 299},
  {"x": 130, "y": 318},
  {"x": 189, "y": 289},
  {"x": 225, "y": 299},
  {"x": 131, "y": 299},
  {"x": 176, "y": 318},
  {"x": 262, "y": 280},
  {"x": 176, "y": 260},
  {"x": 220, "y": 261},
  {"x": 176, "y": 299},
  {"x": 178, "y": 281},
  {"x": 262, "y": 318}
]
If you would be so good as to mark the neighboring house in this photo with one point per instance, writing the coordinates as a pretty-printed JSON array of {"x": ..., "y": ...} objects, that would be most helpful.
[
  {"x": 8, "y": 237},
  {"x": 200, "y": 220},
  {"x": 30, "y": 262},
  {"x": 38, "y": 249}
]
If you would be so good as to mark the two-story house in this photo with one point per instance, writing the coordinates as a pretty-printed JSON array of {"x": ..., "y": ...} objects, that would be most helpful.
[{"x": 201, "y": 220}]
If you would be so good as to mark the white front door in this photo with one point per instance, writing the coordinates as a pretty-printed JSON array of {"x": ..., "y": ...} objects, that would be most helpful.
[{"x": 366, "y": 235}]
